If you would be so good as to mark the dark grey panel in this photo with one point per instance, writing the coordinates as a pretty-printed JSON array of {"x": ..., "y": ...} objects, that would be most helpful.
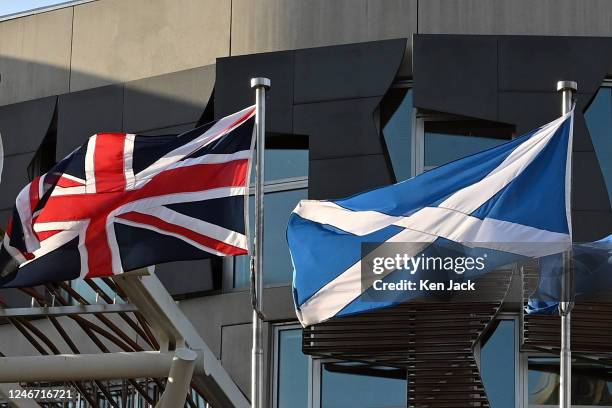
[
  {"x": 4, "y": 217},
  {"x": 183, "y": 278},
  {"x": 456, "y": 74},
  {"x": 528, "y": 110},
  {"x": 166, "y": 100},
  {"x": 339, "y": 128},
  {"x": 24, "y": 125},
  {"x": 172, "y": 130},
  {"x": 233, "y": 87},
  {"x": 85, "y": 113},
  {"x": 346, "y": 71},
  {"x": 587, "y": 174},
  {"x": 14, "y": 178},
  {"x": 236, "y": 343},
  {"x": 336, "y": 178},
  {"x": 278, "y": 303},
  {"x": 589, "y": 226},
  {"x": 537, "y": 63}
]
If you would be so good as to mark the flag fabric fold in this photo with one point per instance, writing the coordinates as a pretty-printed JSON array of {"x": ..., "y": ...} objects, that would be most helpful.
[
  {"x": 505, "y": 198},
  {"x": 123, "y": 201}
]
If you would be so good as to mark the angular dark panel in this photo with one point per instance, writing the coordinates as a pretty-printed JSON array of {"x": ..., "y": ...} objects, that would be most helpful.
[
  {"x": 24, "y": 125},
  {"x": 346, "y": 71},
  {"x": 184, "y": 278},
  {"x": 535, "y": 64},
  {"x": 528, "y": 110},
  {"x": 85, "y": 113},
  {"x": 14, "y": 178},
  {"x": 233, "y": 87},
  {"x": 171, "y": 130},
  {"x": 339, "y": 128},
  {"x": 587, "y": 174},
  {"x": 167, "y": 100},
  {"x": 336, "y": 178},
  {"x": 456, "y": 74},
  {"x": 589, "y": 226}
]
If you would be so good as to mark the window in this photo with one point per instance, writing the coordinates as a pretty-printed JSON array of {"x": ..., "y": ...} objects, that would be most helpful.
[
  {"x": 278, "y": 269},
  {"x": 498, "y": 364},
  {"x": 591, "y": 384},
  {"x": 302, "y": 382},
  {"x": 291, "y": 369},
  {"x": 440, "y": 139},
  {"x": 396, "y": 115},
  {"x": 599, "y": 122},
  {"x": 358, "y": 386},
  {"x": 285, "y": 184}
]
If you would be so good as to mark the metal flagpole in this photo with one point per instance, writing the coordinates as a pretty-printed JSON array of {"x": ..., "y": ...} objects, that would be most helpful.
[
  {"x": 567, "y": 89},
  {"x": 257, "y": 357}
]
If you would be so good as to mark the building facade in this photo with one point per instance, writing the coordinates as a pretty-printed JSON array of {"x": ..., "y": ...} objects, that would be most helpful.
[{"x": 364, "y": 93}]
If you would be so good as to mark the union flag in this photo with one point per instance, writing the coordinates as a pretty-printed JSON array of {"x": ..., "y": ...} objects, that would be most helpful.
[{"x": 123, "y": 201}]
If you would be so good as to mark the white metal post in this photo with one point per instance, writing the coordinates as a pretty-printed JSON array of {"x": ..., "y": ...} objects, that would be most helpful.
[
  {"x": 567, "y": 89},
  {"x": 257, "y": 356}
]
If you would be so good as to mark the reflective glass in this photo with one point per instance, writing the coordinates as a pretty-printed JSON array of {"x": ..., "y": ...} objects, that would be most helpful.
[
  {"x": 277, "y": 262},
  {"x": 397, "y": 129},
  {"x": 292, "y": 391},
  {"x": 497, "y": 365},
  {"x": 599, "y": 122},
  {"x": 283, "y": 164},
  {"x": 341, "y": 390},
  {"x": 591, "y": 386},
  {"x": 443, "y": 148}
]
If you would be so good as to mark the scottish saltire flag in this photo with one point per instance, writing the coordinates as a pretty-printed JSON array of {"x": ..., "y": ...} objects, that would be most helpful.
[
  {"x": 125, "y": 201},
  {"x": 517, "y": 192}
]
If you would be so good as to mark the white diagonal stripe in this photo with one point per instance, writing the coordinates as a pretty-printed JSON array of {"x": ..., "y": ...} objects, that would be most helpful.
[
  {"x": 219, "y": 129},
  {"x": 201, "y": 227}
]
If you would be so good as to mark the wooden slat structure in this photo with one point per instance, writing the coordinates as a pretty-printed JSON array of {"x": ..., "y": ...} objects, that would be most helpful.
[{"x": 432, "y": 340}]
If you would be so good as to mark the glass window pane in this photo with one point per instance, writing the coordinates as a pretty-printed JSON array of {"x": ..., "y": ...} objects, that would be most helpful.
[
  {"x": 497, "y": 363},
  {"x": 292, "y": 381},
  {"x": 449, "y": 140},
  {"x": 277, "y": 262},
  {"x": 599, "y": 122},
  {"x": 340, "y": 390},
  {"x": 396, "y": 114},
  {"x": 591, "y": 385},
  {"x": 283, "y": 164}
]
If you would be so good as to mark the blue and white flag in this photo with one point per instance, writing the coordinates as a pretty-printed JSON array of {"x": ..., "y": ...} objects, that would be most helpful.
[
  {"x": 592, "y": 276},
  {"x": 517, "y": 192}
]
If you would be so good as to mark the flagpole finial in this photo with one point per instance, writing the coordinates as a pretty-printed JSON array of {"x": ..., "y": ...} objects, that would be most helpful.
[
  {"x": 260, "y": 82},
  {"x": 567, "y": 85}
]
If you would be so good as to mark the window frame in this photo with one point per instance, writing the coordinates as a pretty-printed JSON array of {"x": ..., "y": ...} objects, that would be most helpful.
[
  {"x": 277, "y": 328},
  {"x": 519, "y": 381},
  {"x": 228, "y": 283}
]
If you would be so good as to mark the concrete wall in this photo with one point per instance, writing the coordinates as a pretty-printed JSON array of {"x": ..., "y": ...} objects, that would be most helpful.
[{"x": 111, "y": 41}]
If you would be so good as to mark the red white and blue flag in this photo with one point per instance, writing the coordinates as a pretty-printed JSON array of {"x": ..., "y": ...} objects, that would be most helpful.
[{"x": 123, "y": 201}]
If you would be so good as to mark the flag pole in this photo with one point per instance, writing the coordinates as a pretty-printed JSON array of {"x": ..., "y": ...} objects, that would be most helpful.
[
  {"x": 261, "y": 85},
  {"x": 566, "y": 304}
]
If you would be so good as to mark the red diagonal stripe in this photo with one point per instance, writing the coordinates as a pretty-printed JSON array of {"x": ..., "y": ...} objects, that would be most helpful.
[{"x": 187, "y": 233}]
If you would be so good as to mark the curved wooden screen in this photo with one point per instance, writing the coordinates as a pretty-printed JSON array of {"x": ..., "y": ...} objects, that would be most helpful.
[{"x": 432, "y": 340}]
